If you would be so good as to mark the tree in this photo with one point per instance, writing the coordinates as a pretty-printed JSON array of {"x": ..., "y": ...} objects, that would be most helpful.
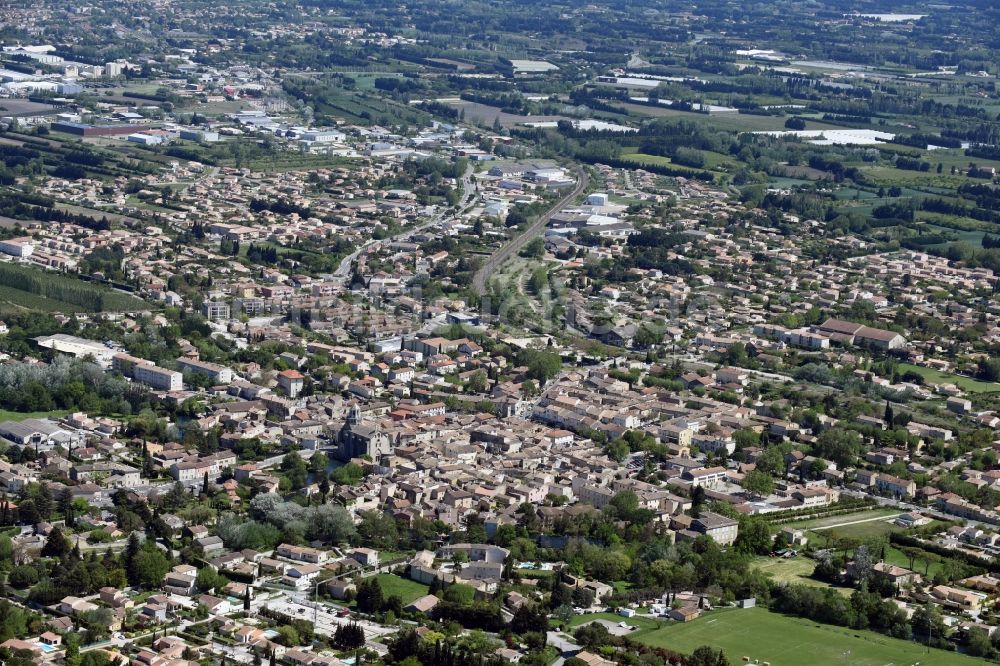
[
  {"x": 617, "y": 449},
  {"x": 772, "y": 461},
  {"x": 43, "y": 501},
  {"x": 349, "y": 636},
  {"x": 979, "y": 644},
  {"x": 817, "y": 467},
  {"x": 562, "y": 594},
  {"x": 71, "y": 643},
  {"x": 583, "y": 597},
  {"x": 350, "y": 474},
  {"x": 888, "y": 415},
  {"x": 27, "y": 512},
  {"x": 746, "y": 437},
  {"x": 542, "y": 365},
  {"x": 460, "y": 593},
  {"x": 529, "y": 618},
  {"x": 208, "y": 580},
  {"x": 97, "y": 622},
  {"x": 148, "y": 567},
  {"x": 840, "y": 445},
  {"x": 318, "y": 463},
  {"x": 378, "y": 530},
  {"x": 288, "y": 636},
  {"x": 295, "y": 469},
  {"x": 330, "y": 523},
  {"x": 369, "y": 596},
  {"x": 535, "y": 249},
  {"x": 477, "y": 382},
  {"x": 404, "y": 645},
  {"x": 697, "y": 500},
  {"x": 754, "y": 536},
  {"x": 56, "y": 545},
  {"x": 758, "y": 484},
  {"x": 707, "y": 656},
  {"x": 22, "y": 576},
  {"x": 625, "y": 504},
  {"x": 593, "y": 636},
  {"x": 647, "y": 336},
  {"x": 66, "y": 506},
  {"x": 928, "y": 626},
  {"x": 863, "y": 563}
]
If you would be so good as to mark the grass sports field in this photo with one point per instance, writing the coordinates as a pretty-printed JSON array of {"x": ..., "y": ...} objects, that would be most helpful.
[{"x": 787, "y": 641}]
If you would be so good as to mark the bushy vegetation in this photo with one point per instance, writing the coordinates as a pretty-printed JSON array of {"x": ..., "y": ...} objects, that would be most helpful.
[{"x": 68, "y": 385}]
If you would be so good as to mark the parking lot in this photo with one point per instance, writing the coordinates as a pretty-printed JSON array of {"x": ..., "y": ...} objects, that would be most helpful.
[{"x": 325, "y": 617}]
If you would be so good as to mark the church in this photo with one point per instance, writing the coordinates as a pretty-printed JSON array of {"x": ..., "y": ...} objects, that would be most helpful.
[{"x": 357, "y": 439}]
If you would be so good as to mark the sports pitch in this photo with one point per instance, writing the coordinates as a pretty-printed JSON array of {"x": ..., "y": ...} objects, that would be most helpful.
[{"x": 788, "y": 641}]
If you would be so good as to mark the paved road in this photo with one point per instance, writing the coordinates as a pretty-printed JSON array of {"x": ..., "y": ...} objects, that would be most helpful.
[{"x": 501, "y": 255}]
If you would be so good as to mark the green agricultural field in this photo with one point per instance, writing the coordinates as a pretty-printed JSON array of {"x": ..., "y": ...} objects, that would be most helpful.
[
  {"x": 734, "y": 122},
  {"x": 788, "y": 641},
  {"x": 643, "y": 158},
  {"x": 888, "y": 175},
  {"x": 659, "y": 160},
  {"x": 965, "y": 228},
  {"x": 95, "y": 214},
  {"x": 404, "y": 588},
  {"x": 718, "y": 160},
  {"x": 937, "y": 377},
  {"x": 957, "y": 158},
  {"x": 781, "y": 181}
]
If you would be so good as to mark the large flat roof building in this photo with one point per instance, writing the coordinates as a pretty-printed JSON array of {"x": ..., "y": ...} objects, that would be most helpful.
[
  {"x": 83, "y": 129},
  {"x": 78, "y": 347}
]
